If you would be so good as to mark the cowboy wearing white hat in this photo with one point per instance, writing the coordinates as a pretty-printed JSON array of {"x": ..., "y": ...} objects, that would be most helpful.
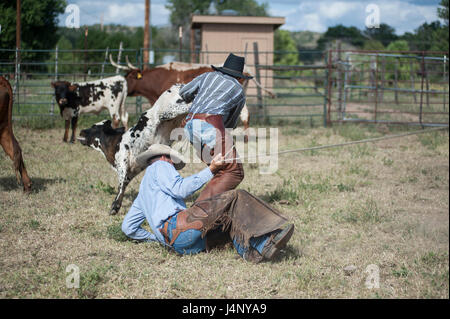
[
  {"x": 252, "y": 225},
  {"x": 217, "y": 100}
]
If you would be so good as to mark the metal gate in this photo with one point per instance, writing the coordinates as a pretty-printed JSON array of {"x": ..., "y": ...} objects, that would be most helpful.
[{"x": 388, "y": 87}]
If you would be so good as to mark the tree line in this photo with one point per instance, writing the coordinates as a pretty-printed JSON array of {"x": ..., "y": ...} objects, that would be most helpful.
[{"x": 40, "y": 30}]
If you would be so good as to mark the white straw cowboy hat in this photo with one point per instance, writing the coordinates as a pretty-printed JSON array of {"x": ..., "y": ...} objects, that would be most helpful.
[{"x": 159, "y": 150}]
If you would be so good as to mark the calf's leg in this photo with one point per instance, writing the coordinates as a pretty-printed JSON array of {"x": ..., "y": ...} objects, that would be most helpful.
[
  {"x": 115, "y": 121},
  {"x": 117, "y": 203},
  {"x": 66, "y": 130},
  {"x": 74, "y": 122}
]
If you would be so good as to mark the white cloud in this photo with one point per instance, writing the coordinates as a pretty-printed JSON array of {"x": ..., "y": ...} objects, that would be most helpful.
[
  {"x": 336, "y": 10},
  {"x": 313, "y": 15},
  {"x": 131, "y": 13},
  {"x": 118, "y": 12},
  {"x": 318, "y": 15}
]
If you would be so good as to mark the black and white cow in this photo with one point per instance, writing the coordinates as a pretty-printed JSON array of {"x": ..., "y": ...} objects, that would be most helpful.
[
  {"x": 91, "y": 97},
  {"x": 122, "y": 148}
]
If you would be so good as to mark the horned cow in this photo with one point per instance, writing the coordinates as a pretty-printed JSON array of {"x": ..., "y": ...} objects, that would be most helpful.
[
  {"x": 91, "y": 97},
  {"x": 7, "y": 138},
  {"x": 151, "y": 83}
]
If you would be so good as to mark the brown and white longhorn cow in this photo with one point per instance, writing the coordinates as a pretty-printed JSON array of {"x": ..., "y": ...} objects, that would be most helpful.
[
  {"x": 7, "y": 138},
  {"x": 151, "y": 83}
]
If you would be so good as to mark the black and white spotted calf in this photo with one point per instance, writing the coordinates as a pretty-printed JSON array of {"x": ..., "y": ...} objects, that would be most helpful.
[
  {"x": 91, "y": 97},
  {"x": 121, "y": 148}
]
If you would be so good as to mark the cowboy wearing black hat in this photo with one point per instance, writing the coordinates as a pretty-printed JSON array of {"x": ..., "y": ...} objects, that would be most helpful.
[{"x": 217, "y": 100}]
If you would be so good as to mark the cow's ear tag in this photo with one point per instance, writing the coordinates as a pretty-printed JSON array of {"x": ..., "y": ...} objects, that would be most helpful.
[{"x": 139, "y": 75}]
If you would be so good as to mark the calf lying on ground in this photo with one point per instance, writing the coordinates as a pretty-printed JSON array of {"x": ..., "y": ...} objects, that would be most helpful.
[
  {"x": 7, "y": 138},
  {"x": 121, "y": 149},
  {"x": 91, "y": 97}
]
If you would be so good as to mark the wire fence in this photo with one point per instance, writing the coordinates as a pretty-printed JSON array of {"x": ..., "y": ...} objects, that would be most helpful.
[
  {"x": 389, "y": 87},
  {"x": 299, "y": 90},
  {"x": 322, "y": 87}
]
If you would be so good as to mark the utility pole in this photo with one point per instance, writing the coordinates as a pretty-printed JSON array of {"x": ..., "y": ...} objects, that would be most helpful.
[
  {"x": 147, "y": 34},
  {"x": 17, "y": 67}
]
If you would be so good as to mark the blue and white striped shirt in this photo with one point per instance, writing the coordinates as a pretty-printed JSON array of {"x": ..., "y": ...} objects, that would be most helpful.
[{"x": 215, "y": 93}]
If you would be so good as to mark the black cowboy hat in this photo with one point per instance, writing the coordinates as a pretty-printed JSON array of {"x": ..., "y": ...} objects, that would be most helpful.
[{"x": 234, "y": 65}]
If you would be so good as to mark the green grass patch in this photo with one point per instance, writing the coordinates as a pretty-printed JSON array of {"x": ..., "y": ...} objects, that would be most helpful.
[
  {"x": 359, "y": 213},
  {"x": 90, "y": 281},
  {"x": 106, "y": 188},
  {"x": 115, "y": 232},
  {"x": 433, "y": 140}
]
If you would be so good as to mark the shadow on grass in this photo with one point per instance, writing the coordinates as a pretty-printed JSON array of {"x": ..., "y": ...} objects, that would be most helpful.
[
  {"x": 38, "y": 184},
  {"x": 131, "y": 195},
  {"x": 288, "y": 252}
]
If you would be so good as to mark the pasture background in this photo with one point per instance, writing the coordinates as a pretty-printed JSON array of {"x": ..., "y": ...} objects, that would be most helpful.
[{"x": 384, "y": 203}]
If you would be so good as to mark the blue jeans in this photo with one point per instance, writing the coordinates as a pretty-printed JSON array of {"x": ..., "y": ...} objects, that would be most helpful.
[
  {"x": 191, "y": 242},
  {"x": 200, "y": 133}
]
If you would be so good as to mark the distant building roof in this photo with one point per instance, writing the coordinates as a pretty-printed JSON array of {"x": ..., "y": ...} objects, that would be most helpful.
[{"x": 198, "y": 20}]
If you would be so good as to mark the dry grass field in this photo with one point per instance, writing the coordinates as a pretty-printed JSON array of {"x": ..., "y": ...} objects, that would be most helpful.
[{"x": 384, "y": 204}]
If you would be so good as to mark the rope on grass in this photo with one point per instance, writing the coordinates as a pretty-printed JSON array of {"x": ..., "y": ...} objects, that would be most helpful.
[{"x": 368, "y": 140}]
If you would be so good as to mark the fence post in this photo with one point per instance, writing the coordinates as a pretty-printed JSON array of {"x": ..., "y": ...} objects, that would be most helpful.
[
  {"x": 339, "y": 76},
  {"x": 361, "y": 78},
  {"x": 16, "y": 81},
  {"x": 104, "y": 62},
  {"x": 52, "y": 108},
  {"x": 383, "y": 77},
  {"x": 257, "y": 75},
  {"x": 444, "y": 79},
  {"x": 396, "y": 79},
  {"x": 325, "y": 94},
  {"x": 119, "y": 55},
  {"x": 427, "y": 83},
  {"x": 346, "y": 68},
  {"x": 411, "y": 77},
  {"x": 422, "y": 68},
  {"x": 139, "y": 61},
  {"x": 330, "y": 84},
  {"x": 376, "y": 88}
]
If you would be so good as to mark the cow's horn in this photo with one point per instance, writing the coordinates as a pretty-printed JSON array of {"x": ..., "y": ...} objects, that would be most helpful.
[
  {"x": 117, "y": 65},
  {"x": 131, "y": 66}
]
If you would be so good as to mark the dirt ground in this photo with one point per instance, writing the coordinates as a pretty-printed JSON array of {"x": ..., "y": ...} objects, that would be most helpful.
[{"x": 382, "y": 208}]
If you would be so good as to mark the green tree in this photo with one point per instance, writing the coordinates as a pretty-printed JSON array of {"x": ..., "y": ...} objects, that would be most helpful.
[
  {"x": 399, "y": 45},
  {"x": 373, "y": 45},
  {"x": 285, "y": 48},
  {"x": 38, "y": 27},
  {"x": 443, "y": 12},
  {"x": 424, "y": 37},
  {"x": 351, "y": 35},
  {"x": 440, "y": 36},
  {"x": 393, "y": 63},
  {"x": 384, "y": 34},
  {"x": 243, "y": 7},
  {"x": 181, "y": 10}
]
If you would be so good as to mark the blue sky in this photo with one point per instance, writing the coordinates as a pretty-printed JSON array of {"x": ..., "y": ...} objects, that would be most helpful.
[{"x": 301, "y": 15}]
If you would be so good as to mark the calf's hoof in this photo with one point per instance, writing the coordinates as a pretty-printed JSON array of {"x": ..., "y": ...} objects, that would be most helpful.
[
  {"x": 113, "y": 211},
  {"x": 27, "y": 189}
]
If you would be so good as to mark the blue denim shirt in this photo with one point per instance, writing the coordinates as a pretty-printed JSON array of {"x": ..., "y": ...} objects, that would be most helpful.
[{"x": 161, "y": 195}]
